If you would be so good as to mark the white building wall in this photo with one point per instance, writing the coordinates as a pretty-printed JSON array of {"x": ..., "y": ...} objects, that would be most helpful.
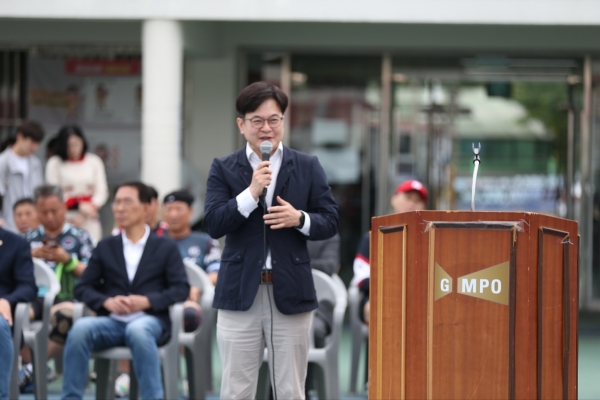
[{"x": 536, "y": 12}]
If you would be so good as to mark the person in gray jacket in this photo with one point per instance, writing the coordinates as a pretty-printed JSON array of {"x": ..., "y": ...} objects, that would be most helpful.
[{"x": 20, "y": 170}]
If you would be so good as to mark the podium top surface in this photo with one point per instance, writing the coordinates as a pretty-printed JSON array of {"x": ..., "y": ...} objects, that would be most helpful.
[{"x": 467, "y": 216}]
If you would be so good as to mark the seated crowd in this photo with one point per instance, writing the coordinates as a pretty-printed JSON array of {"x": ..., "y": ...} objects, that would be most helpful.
[{"x": 130, "y": 307}]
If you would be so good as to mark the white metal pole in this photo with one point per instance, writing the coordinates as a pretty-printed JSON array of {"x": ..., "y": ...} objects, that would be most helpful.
[{"x": 476, "y": 161}]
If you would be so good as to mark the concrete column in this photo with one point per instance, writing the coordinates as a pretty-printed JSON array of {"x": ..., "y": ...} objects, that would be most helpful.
[{"x": 162, "y": 81}]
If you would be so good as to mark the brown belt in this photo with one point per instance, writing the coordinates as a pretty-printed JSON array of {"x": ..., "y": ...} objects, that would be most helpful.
[{"x": 266, "y": 276}]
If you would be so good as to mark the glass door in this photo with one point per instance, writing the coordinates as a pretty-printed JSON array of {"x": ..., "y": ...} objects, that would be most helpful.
[
  {"x": 335, "y": 116},
  {"x": 517, "y": 109}
]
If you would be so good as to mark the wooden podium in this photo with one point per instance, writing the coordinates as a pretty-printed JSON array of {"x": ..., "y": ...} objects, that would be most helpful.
[{"x": 473, "y": 305}]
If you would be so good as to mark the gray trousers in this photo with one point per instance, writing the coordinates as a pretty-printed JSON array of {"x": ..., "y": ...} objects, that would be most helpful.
[{"x": 241, "y": 337}]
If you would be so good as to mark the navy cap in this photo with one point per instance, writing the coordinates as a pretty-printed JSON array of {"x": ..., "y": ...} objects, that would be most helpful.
[{"x": 179, "y": 195}]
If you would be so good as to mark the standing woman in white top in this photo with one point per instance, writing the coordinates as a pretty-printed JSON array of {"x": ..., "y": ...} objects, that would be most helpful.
[{"x": 82, "y": 177}]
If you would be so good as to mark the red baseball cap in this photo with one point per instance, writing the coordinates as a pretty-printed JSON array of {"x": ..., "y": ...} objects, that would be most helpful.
[{"x": 415, "y": 185}]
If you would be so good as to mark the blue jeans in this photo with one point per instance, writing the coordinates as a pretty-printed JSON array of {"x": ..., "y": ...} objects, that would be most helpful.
[
  {"x": 100, "y": 333},
  {"x": 6, "y": 357}
]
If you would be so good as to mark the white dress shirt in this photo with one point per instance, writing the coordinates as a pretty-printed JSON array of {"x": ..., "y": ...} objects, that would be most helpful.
[
  {"x": 132, "y": 253},
  {"x": 245, "y": 201}
]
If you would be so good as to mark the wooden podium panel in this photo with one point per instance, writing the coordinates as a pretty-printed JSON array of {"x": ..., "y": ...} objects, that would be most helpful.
[
  {"x": 473, "y": 305},
  {"x": 466, "y": 332}
]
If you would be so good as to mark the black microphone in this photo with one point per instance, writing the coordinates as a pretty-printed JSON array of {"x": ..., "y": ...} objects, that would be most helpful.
[{"x": 265, "y": 148}]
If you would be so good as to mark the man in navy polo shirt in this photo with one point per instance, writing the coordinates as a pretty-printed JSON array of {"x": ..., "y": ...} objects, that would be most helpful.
[{"x": 198, "y": 247}]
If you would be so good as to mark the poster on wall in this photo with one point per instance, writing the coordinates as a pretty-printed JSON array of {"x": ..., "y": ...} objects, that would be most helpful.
[
  {"x": 117, "y": 101},
  {"x": 103, "y": 97}
]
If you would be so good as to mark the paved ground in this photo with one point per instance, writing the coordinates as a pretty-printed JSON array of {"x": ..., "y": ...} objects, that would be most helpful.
[{"x": 589, "y": 365}]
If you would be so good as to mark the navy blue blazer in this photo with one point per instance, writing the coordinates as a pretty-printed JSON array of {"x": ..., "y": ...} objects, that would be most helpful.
[
  {"x": 17, "y": 282},
  {"x": 301, "y": 182},
  {"x": 160, "y": 276}
]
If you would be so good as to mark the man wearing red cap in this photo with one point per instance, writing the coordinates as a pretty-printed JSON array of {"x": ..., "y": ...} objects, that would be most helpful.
[{"x": 410, "y": 195}]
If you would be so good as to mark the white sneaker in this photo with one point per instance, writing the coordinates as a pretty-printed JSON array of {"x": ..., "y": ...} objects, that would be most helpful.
[{"x": 122, "y": 385}]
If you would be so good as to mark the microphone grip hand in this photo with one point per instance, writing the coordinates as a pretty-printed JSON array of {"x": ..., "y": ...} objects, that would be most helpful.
[{"x": 261, "y": 178}]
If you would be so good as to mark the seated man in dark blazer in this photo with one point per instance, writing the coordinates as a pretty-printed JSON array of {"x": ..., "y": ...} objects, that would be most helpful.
[
  {"x": 130, "y": 281},
  {"x": 286, "y": 201},
  {"x": 17, "y": 284}
]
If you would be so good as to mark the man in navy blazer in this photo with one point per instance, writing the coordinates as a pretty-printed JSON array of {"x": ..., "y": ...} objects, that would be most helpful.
[
  {"x": 265, "y": 259},
  {"x": 130, "y": 281},
  {"x": 17, "y": 284}
]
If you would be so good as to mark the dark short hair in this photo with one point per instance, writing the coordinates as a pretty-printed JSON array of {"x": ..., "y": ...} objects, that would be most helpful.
[
  {"x": 257, "y": 93},
  {"x": 44, "y": 191},
  {"x": 24, "y": 200},
  {"x": 32, "y": 130},
  {"x": 153, "y": 192},
  {"x": 63, "y": 139},
  {"x": 144, "y": 194}
]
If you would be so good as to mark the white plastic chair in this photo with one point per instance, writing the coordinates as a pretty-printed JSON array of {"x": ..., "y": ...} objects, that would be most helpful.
[
  {"x": 20, "y": 318},
  {"x": 35, "y": 333},
  {"x": 340, "y": 286},
  {"x": 106, "y": 360},
  {"x": 360, "y": 333},
  {"x": 198, "y": 344},
  {"x": 326, "y": 358}
]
